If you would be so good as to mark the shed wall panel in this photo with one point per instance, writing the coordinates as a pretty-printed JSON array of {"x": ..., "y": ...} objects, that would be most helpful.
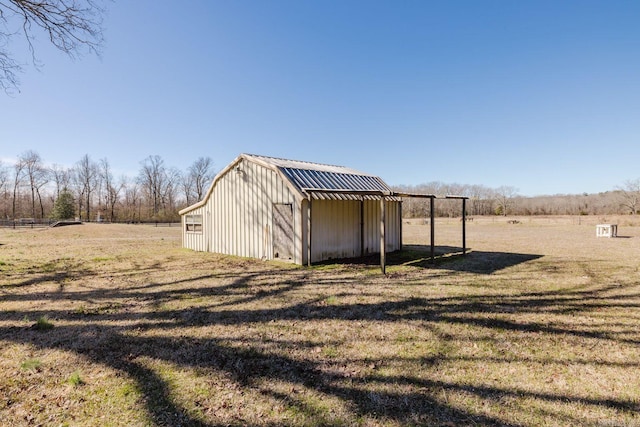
[
  {"x": 195, "y": 240},
  {"x": 393, "y": 233},
  {"x": 335, "y": 228},
  {"x": 239, "y": 214}
]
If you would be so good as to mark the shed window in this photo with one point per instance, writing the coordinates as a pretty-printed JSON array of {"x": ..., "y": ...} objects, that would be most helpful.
[{"x": 193, "y": 223}]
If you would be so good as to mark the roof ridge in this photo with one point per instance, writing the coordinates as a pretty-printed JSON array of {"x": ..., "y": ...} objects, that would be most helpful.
[{"x": 299, "y": 161}]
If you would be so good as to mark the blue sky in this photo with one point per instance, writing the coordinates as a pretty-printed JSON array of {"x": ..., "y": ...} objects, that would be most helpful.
[{"x": 543, "y": 96}]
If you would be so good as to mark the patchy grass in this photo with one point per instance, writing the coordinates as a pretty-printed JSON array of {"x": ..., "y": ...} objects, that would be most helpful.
[
  {"x": 537, "y": 325},
  {"x": 31, "y": 364},
  {"x": 43, "y": 324},
  {"x": 75, "y": 379}
]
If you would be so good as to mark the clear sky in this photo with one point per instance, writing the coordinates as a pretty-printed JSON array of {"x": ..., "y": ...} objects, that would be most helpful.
[{"x": 540, "y": 95}]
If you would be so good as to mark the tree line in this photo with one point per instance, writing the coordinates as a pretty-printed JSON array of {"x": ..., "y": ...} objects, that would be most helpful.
[
  {"x": 505, "y": 200},
  {"x": 31, "y": 189},
  {"x": 89, "y": 191}
]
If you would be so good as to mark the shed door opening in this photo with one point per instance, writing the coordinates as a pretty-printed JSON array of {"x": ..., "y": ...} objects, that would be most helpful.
[{"x": 283, "y": 231}]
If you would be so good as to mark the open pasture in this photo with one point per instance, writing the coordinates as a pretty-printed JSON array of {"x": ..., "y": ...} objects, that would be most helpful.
[{"x": 117, "y": 325}]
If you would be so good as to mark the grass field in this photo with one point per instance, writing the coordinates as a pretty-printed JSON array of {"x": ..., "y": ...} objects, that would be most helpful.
[{"x": 117, "y": 325}]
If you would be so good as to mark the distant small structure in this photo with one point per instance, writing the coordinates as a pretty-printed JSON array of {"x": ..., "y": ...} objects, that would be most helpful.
[{"x": 607, "y": 230}]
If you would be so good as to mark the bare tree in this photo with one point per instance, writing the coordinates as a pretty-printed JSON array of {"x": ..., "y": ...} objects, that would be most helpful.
[
  {"x": 117, "y": 191},
  {"x": 61, "y": 177},
  {"x": 481, "y": 200},
  {"x": 112, "y": 190},
  {"x": 195, "y": 181},
  {"x": 187, "y": 185},
  {"x": 72, "y": 26},
  {"x": 170, "y": 192},
  {"x": 201, "y": 172},
  {"x": 132, "y": 201},
  {"x": 18, "y": 176},
  {"x": 151, "y": 177},
  {"x": 37, "y": 176},
  {"x": 630, "y": 195},
  {"x": 86, "y": 174},
  {"x": 504, "y": 198},
  {"x": 4, "y": 180}
]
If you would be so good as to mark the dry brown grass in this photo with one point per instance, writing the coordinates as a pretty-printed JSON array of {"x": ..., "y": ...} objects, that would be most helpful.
[{"x": 538, "y": 325}]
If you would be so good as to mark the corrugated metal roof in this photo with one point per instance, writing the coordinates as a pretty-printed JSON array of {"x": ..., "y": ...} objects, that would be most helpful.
[
  {"x": 298, "y": 164},
  {"x": 307, "y": 179},
  {"x": 328, "y": 181}
]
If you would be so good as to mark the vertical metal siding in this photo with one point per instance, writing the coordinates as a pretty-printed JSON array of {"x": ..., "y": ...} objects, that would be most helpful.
[
  {"x": 304, "y": 231},
  {"x": 335, "y": 229},
  {"x": 371, "y": 227},
  {"x": 240, "y": 214},
  {"x": 393, "y": 234},
  {"x": 195, "y": 240}
]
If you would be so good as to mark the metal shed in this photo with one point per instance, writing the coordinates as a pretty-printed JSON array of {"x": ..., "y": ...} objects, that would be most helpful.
[{"x": 271, "y": 208}]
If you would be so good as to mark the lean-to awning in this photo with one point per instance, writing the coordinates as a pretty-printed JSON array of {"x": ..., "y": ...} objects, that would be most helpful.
[{"x": 322, "y": 193}]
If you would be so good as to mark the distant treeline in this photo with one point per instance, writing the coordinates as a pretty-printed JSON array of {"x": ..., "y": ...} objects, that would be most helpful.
[
  {"x": 505, "y": 201},
  {"x": 31, "y": 189}
]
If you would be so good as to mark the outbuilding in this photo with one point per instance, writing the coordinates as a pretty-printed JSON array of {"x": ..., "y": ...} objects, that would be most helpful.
[{"x": 303, "y": 212}]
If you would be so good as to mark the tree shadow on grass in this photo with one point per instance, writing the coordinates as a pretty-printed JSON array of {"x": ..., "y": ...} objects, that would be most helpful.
[
  {"x": 252, "y": 364},
  {"x": 252, "y": 368}
]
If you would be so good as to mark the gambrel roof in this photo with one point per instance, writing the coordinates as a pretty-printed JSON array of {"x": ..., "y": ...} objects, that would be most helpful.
[
  {"x": 313, "y": 180},
  {"x": 322, "y": 181}
]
